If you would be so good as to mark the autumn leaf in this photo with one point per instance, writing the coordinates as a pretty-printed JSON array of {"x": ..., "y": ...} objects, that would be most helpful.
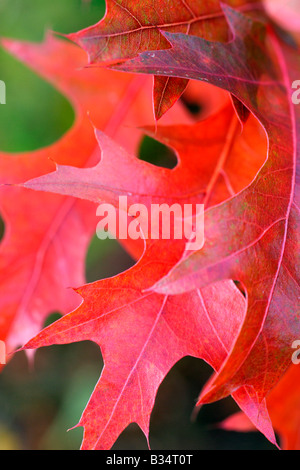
[
  {"x": 52, "y": 232},
  {"x": 254, "y": 237},
  {"x": 129, "y": 28},
  {"x": 156, "y": 330}
]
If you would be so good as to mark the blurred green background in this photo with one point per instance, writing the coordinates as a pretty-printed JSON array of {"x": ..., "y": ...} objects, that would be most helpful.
[{"x": 39, "y": 404}]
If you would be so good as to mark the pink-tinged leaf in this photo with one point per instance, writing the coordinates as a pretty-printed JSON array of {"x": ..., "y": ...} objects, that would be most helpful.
[
  {"x": 193, "y": 180},
  {"x": 143, "y": 334},
  {"x": 52, "y": 232}
]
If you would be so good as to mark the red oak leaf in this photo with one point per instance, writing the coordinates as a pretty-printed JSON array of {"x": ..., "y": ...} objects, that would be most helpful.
[
  {"x": 253, "y": 237},
  {"x": 285, "y": 12},
  {"x": 53, "y": 232},
  {"x": 143, "y": 334}
]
